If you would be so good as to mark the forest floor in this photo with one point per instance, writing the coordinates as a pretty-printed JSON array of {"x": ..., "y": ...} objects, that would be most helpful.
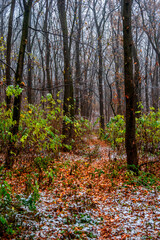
[{"x": 90, "y": 194}]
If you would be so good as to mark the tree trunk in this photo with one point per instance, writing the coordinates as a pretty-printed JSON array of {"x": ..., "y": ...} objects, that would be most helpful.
[
  {"x": 155, "y": 95},
  {"x": 68, "y": 104},
  {"x": 8, "y": 52},
  {"x": 78, "y": 67},
  {"x": 115, "y": 49},
  {"x": 1, "y": 54},
  {"x": 49, "y": 81},
  {"x": 18, "y": 82},
  {"x": 100, "y": 75},
  {"x": 119, "y": 108},
  {"x": 29, "y": 81},
  {"x": 137, "y": 81},
  {"x": 130, "y": 139},
  {"x": 56, "y": 74},
  {"x": 146, "y": 79},
  {"x": 43, "y": 69},
  {"x": 100, "y": 30}
]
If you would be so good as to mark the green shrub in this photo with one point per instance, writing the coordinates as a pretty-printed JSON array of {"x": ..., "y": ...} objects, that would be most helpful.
[
  {"x": 147, "y": 132},
  {"x": 81, "y": 126},
  {"x": 5, "y": 125},
  {"x": 144, "y": 179},
  {"x": 116, "y": 132},
  {"x": 10, "y": 204},
  {"x": 6, "y": 209},
  {"x": 40, "y": 127}
]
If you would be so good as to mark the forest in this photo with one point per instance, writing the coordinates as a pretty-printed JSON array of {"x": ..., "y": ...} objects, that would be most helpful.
[{"x": 79, "y": 119}]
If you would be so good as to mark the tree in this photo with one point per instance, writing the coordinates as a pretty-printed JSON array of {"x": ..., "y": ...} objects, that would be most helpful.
[
  {"x": 146, "y": 78},
  {"x": 78, "y": 67},
  {"x": 18, "y": 82},
  {"x": 150, "y": 21},
  {"x": 130, "y": 139},
  {"x": 49, "y": 80},
  {"x": 137, "y": 81},
  {"x": 8, "y": 51},
  {"x": 94, "y": 43},
  {"x": 116, "y": 48},
  {"x": 100, "y": 30},
  {"x": 68, "y": 104}
]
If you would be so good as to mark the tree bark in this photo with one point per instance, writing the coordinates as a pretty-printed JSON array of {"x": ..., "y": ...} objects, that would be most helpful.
[
  {"x": 115, "y": 49},
  {"x": 78, "y": 67},
  {"x": 68, "y": 104},
  {"x": 49, "y": 81},
  {"x": 29, "y": 77},
  {"x": 100, "y": 74},
  {"x": 100, "y": 30},
  {"x": 155, "y": 95},
  {"x": 137, "y": 81},
  {"x": 146, "y": 79},
  {"x": 8, "y": 52},
  {"x": 130, "y": 139},
  {"x": 18, "y": 81}
]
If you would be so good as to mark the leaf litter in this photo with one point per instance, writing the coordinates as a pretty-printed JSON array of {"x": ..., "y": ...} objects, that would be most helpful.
[{"x": 88, "y": 198}]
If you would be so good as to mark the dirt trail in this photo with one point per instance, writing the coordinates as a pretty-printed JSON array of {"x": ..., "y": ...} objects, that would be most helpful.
[
  {"x": 129, "y": 212},
  {"x": 87, "y": 198}
]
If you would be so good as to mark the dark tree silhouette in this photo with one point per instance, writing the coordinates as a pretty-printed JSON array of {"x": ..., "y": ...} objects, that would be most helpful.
[
  {"x": 18, "y": 82},
  {"x": 130, "y": 140},
  {"x": 8, "y": 52},
  {"x": 68, "y": 104}
]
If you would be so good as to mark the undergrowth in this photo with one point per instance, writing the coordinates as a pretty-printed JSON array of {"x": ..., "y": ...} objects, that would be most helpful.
[
  {"x": 147, "y": 132},
  {"x": 49, "y": 168},
  {"x": 12, "y": 204},
  {"x": 40, "y": 127}
]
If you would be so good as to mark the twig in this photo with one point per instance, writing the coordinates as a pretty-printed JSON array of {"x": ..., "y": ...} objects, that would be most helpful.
[
  {"x": 7, "y": 65},
  {"x": 111, "y": 96},
  {"x": 146, "y": 163}
]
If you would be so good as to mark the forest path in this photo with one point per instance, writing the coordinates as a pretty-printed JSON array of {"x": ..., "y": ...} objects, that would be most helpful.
[
  {"x": 85, "y": 195},
  {"x": 129, "y": 211}
]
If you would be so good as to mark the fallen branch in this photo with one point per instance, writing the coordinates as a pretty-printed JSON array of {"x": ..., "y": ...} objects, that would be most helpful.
[{"x": 146, "y": 163}]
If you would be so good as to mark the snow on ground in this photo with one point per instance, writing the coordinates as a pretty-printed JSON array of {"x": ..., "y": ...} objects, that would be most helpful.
[
  {"x": 128, "y": 214},
  {"x": 132, "y": 214},
  {"x": 57, "y": 219}
]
